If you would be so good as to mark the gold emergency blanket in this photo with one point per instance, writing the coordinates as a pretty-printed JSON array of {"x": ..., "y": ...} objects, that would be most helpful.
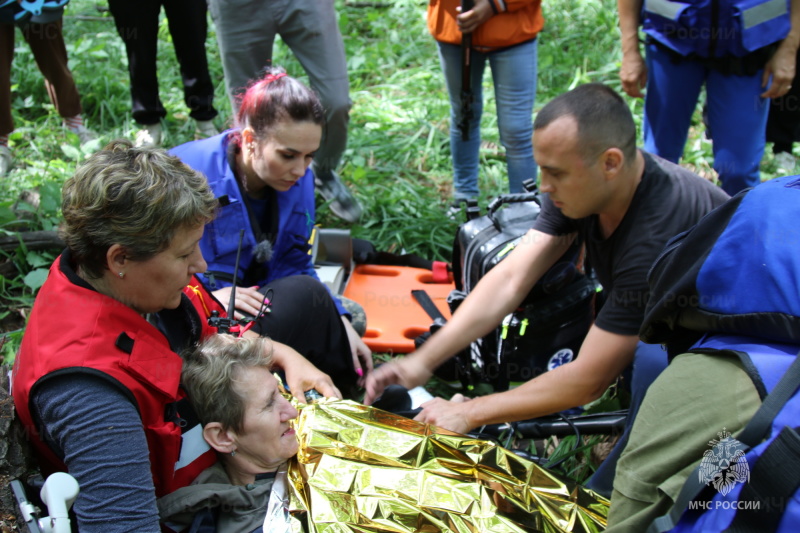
[{"x": 361, "y": 469}]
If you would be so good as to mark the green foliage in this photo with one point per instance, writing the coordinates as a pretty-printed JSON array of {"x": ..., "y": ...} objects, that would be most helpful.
[
  {"x": 572, "y": 456},
  {"x": 9, "y": 342}
]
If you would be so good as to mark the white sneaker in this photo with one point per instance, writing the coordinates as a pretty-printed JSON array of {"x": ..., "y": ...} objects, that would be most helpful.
[
  {"x": 83, "y": 133},
  {"x": 786, "y": 162},
  {"x": 5, "y": 159},
  {"x": 149, "y": 135},
  {"x": 205, "y": 129}
]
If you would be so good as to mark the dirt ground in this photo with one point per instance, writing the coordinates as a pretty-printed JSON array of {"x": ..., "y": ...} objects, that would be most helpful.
[
  {"x": 8, "y": 509},
  {"x": 15, "y": 459}
]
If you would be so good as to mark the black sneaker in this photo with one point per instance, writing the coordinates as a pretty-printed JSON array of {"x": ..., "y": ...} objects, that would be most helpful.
[{"x": 342, "y": 203}]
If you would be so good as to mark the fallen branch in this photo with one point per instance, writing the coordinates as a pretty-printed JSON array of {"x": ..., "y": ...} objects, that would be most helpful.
[
  {"x": 34, "y": 240},
  {"x": 367, "y": 4}
]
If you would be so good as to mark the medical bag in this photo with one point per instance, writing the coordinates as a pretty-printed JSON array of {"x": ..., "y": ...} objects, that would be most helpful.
[{"x": 548, "y": 328}]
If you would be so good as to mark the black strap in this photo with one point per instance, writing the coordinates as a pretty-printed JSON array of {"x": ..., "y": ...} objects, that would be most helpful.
[
  {"x": 263, "y": 229},
  {"x": 773, "y": 481},
  {"x": 747, "y": 364},
  {"x": 755, "y": 431},
  {"x": 424, "y": 300},
  {"x": 124, "y": 343},
  {"x": 758, "y": 427},
  {"x": 182, "y": 414},
  {"x": 466, "y": 76}
]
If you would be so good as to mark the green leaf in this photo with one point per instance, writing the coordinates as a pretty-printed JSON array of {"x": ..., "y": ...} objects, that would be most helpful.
[
  {"x": 71, "y": 152},
  {"x": 37, "y": 259},
  {"x": 6, "y": 214},
  {"x": 36, "y": 278}
]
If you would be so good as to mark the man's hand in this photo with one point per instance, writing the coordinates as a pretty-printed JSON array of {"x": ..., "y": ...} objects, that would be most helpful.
[
  {"x": 248, "y": 300},
  {"x": 469, "y": 21},
  {"x": 446, "y": 414},
  {"x": 781, "y": 70},
  {"x": 407, "y": 372},
  {"x": 301, "y": 375},
  {"x": 633, "y": 74},
  {"x": 362, "y": 355}
]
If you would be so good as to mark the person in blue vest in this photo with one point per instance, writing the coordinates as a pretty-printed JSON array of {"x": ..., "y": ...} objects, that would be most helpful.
[
  {"x": 742, "y": 51},
  {"x": 246, "y": 33},
  {"x": 259, "y": 172},
  {"x": 719, "y": 418}
]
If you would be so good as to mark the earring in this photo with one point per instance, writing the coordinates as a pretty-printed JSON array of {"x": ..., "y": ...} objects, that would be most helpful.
[
  {"x": 233, "y": 453},
  {"x": 121, "y": 274}
]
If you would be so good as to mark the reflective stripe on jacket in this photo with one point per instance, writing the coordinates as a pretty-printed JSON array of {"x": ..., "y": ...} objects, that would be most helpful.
[{"x": 716, "y": 28}]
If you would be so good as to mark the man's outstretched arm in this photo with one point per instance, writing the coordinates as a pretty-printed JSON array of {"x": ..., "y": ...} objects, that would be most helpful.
[
  {"x": 603, "y": 357},
  {"x": 496, "y": 294}
]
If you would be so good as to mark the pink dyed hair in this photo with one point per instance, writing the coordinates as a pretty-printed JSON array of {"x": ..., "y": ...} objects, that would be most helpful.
[{"x": 274, "y": 98}]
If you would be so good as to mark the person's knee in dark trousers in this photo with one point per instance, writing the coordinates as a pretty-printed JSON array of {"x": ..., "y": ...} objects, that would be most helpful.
[{"x": 303, "y": 316}]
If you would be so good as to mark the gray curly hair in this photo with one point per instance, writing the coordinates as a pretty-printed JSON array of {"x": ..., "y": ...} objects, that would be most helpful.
[
  {"x": 211, "y": 371},
  {"x": 135, "y": 197}
]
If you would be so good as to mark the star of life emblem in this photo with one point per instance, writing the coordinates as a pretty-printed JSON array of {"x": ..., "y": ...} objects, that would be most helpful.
[
  {"x": 561, "y": 357},
  {"x": 724, "y": 465}
]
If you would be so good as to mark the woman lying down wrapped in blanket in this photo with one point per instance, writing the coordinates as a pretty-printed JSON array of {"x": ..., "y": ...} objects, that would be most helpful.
[{"x": 339, "y": 466}]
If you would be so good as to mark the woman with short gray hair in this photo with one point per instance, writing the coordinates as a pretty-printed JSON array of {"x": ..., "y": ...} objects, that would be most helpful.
[{"x": 246, "y": 420}]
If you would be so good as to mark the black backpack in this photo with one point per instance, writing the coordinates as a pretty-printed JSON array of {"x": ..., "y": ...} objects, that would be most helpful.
[{"x": 551, "y": 323}]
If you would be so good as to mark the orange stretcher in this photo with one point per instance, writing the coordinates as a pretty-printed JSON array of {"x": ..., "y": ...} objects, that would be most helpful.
[{"x": 394, "y": 318}]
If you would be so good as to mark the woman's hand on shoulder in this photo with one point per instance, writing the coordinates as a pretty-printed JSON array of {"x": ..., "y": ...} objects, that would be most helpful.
[{"x": 301, "y": 375}]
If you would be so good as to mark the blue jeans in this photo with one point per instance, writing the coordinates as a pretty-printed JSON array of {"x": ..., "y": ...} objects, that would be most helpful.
[
  {"x": 737, "y": 116},
  {"x": 514, "y": 77}
]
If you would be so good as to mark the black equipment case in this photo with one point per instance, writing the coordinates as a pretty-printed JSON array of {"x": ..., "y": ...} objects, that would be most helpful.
[{"x": 549, "y": 327}]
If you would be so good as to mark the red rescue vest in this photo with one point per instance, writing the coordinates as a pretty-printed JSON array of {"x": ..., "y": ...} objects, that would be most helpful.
[{"x": 74, "y": 329}]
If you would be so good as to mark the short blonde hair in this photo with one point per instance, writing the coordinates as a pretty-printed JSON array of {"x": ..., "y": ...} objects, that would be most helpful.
[
  {"x": 210, "y": 373},
  {"x": 135, "y": 197}
]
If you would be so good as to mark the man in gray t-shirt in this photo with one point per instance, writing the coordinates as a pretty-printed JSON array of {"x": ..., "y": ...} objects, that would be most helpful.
[
  {"x": 626, "y": 204},
  {"x": 668, "y": 200}
]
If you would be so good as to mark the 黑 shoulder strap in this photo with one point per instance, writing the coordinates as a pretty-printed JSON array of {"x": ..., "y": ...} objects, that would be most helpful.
[{"x": 755, "y": 431}]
